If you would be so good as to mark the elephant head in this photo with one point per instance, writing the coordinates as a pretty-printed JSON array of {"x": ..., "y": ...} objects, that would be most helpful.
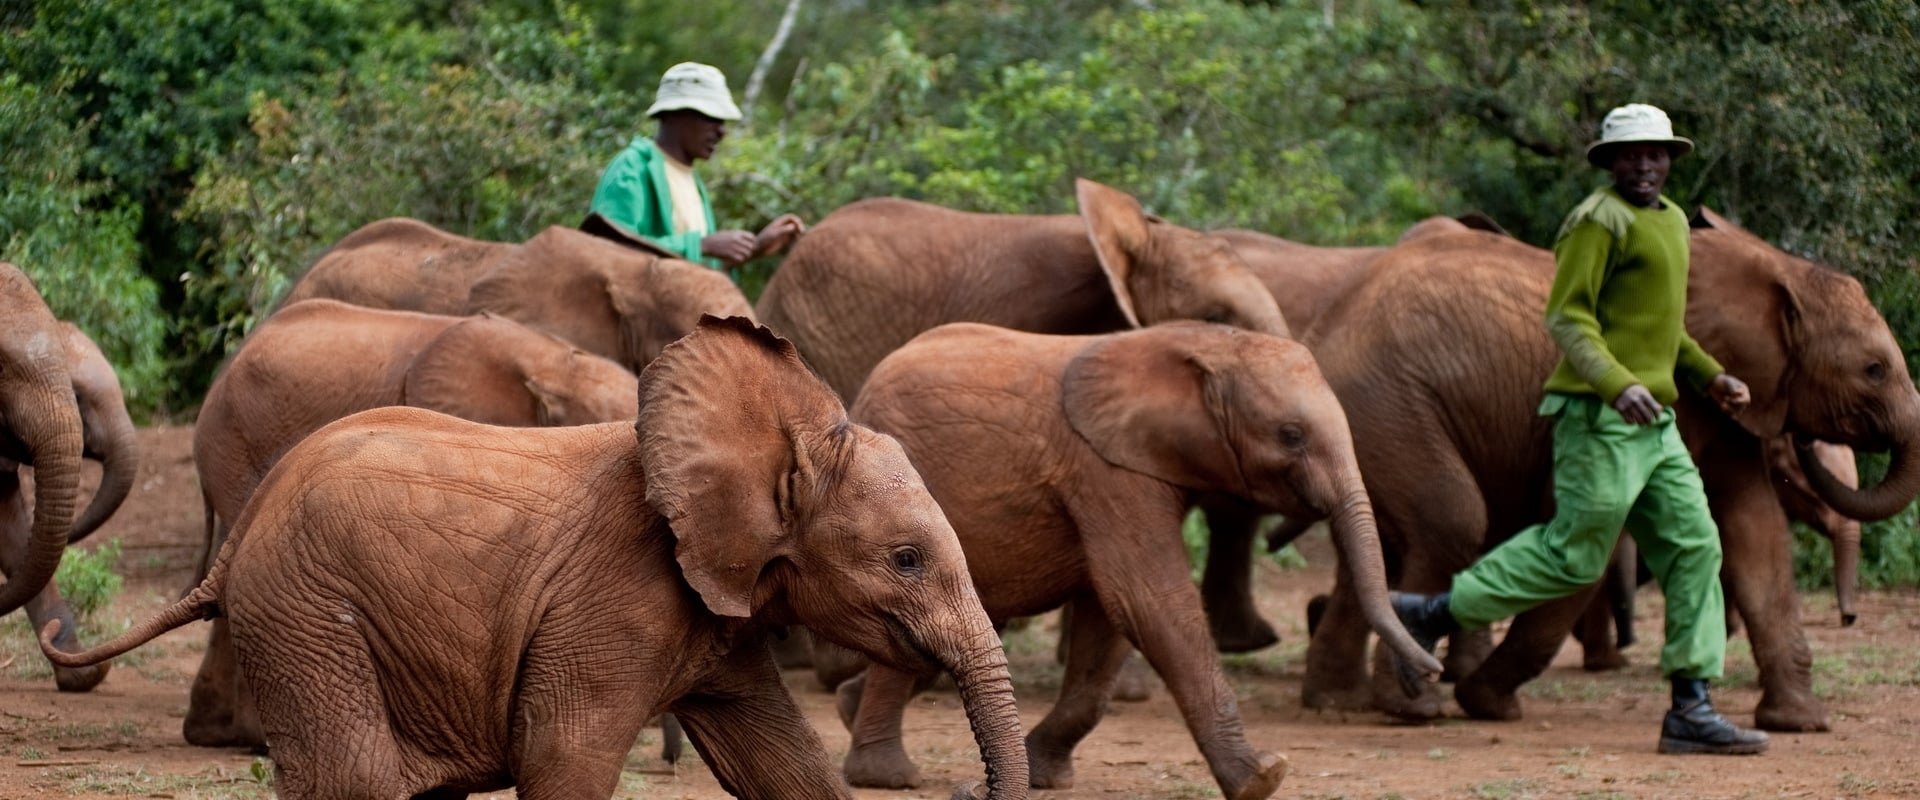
[
  {"x": 107, "y": 429},
  {"x": 606, "y": 298},
  {"x": 1211, "y": 408},
  {"x": 1160, "y": 271},
  {"x": 535, "y": 376},
  {"x": 1826, "y": 366},
  {"x": 39, "y": 425},
  {"x": 783, "y": 509}
]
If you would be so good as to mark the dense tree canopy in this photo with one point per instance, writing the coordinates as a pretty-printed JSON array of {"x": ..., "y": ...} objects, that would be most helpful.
[{"x": 170, "y": 166}]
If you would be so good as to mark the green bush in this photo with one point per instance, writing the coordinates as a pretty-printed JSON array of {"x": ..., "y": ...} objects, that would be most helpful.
[{"x": 86, "y": 577}]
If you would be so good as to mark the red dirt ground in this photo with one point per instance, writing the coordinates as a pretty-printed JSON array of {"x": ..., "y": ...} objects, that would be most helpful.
[{"x": 1584, "y": 736}]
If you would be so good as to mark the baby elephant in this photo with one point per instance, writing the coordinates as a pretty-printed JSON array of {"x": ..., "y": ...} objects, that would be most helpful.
[
  {"x": 425, "y": 605},
  {"x": 1066, "y": 465},
  {"x": 319, "y": 360}
]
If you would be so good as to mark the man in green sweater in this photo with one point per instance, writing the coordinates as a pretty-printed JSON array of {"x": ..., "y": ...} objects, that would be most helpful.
[
  {"x": 650, "y": 188},
  {"x": 1616, "y": 311}
]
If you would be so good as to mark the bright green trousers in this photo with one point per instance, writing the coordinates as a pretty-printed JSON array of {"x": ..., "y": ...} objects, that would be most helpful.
[{"x": 1607, "y": 474}]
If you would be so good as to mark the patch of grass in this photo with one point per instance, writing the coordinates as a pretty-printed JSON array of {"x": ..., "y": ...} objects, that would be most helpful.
[
  {"x": 1509, "y": 789},
  {"x": 1579, "y": 752},
  {"x": 31, "y": 754},
  {"x": 1857, "y": 784},
  {"x": 1839, "y": 674},
  {"x": 212, "y": 783},
  {"x": 1439, "y": 754},
  {"x": 1663, "y": 776},
  {"x": 1599, "y": 795},
  {"x": 87, "y": 579},
  {"x": 1569, "y": 690},
  {"x": 1571, "y": 771}
]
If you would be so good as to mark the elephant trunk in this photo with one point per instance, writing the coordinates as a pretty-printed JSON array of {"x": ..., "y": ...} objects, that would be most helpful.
[
  {"x": 119, "y": 461},
  {"x": 1846, "y": 567},
  {"x": 1877, "y": 502},
  {"x": 50, "y": 428},
  {"x": 979, "y": 668},
  {"x": 1358, "y": 537}
]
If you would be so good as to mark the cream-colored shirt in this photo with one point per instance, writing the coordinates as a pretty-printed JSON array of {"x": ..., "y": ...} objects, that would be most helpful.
[{"x": 689, "y": 216}]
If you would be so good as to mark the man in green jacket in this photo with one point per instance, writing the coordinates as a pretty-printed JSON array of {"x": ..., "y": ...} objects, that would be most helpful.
[
  {"x": 650, "y": 189},
  {"x": 1616, "y": 310}
]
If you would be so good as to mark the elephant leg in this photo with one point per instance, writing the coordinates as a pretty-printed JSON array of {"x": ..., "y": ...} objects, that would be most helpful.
[
  {"x": 1135, "y": 562},
  {"x": 1337, "y": 653},
  {"x": 671, "y": 738},
  {"x": 330, "y": 753},
  {"x": 1466, "y": 651},
  {"x": 16, "y": 526},
  {"x": 753, "y": 737},
  {"x": 1532, "y": 641},
  {"x": 220, "y": 706},
  {"x": 1594, "y": 630},
  {"x": 1227, "y": 587},
  {"x": 1134, "y": 684},
  {"x": 1095, "y": 655},
  {"x": 1610, "y": 611},
  {"x": 1757, "y": 570},
  {"x": 876, "y": 755}
]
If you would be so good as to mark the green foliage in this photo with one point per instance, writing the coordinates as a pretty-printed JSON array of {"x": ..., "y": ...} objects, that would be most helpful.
[{"x": 86, "y": 577}]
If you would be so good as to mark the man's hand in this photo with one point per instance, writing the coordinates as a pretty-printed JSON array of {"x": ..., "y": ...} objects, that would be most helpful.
[
  {"x": 732, "y": 247},
  {"x": 1637, "y": 405},
  {"x": 778, "y": 234},
  {"x": 1729, "y": 392}
]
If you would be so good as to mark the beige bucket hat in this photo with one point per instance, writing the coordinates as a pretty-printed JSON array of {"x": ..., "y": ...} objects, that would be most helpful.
[
  {"x": 1636, "y": 122},
  {"x": 698, "y": 87}
]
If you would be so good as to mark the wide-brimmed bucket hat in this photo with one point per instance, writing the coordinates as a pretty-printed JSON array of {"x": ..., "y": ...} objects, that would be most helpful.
[
  {"x": 1636, "y": 122},
  {"x": 697, "y": 87}
]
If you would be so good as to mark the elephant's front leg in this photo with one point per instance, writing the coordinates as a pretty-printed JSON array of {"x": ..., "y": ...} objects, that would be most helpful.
[
  {"x": 16, "y": 524},
  {"x": 1136, "y": 562},
  {"x": 749, "y": 732},
  {"x": 1095, "y": 655},
  {"x": 1227, "y": 588},
  {"x": 1527, "y": 649},
  {"x": 1337, "y": 653},
  {"x": 877, "y": 755},
  {"x": 1757, "y": 569}
]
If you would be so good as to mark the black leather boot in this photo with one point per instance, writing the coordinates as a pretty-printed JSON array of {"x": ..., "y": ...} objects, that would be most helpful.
[
  {"x": 1692, "y": 726},
  {"x": 1425, "y": 615}
]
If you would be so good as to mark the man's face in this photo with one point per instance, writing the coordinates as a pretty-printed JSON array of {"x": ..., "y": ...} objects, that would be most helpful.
[
  {"x": 1640, "y": 170},
  {"x": 698, "y": 133}
]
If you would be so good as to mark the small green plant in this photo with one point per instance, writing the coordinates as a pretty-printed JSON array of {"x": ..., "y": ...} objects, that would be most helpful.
[
  {"x": 1439, "y": 754},
  {"x": 87, "y": 579},
  {"x": 1509, "y": 789},
  {"x": 1857, "y": 784},
  {"x": 31, "y": 754},
  {"x": 261, "y": 770}
]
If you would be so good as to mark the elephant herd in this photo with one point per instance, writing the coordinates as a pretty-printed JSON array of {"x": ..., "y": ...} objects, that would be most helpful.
[{"x": 477, "y": 511}]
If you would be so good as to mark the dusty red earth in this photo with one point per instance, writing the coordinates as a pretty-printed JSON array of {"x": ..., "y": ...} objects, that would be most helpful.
[{"x": 1584, "y": 736}]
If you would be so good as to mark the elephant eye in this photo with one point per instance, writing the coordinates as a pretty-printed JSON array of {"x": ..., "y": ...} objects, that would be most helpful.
[
  {"x": 1876, "y": 372},
  {"x": 1218, "y": 316},
  {"x": 906, "y": 560},
  {"x": 1292, "y": 436}
]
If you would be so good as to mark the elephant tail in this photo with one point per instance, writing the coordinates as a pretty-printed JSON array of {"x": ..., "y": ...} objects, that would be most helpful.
[{"x": 202, "y": 602}]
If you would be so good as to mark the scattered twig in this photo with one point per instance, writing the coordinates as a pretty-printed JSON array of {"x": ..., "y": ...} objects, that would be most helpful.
[
  {"x": 8, "y": 662},
  {"x": 58, "y": 762},
  {"x": 655, "y": 771}
]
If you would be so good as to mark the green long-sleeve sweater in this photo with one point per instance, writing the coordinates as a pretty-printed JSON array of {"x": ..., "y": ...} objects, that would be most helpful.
[{"x": 1619, "y": 301}]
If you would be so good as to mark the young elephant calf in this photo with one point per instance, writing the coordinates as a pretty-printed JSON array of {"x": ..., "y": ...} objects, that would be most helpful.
[
  {"x": 425, "y": 605},
  {"x": 1067, "y": 463}
]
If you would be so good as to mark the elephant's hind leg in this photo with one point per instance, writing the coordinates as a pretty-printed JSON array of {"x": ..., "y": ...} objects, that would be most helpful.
[
  {"x": 1095, "y": 655},
  {"x": 877, "y": 756}
]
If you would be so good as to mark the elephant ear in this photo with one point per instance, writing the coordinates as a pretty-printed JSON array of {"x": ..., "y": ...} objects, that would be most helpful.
[
  {"x": 728, "y": 419},
  {"x": 1156, "y": 402},
  {"x": 1117, "y": 226},
  {"x": 1755, "y": 327}
]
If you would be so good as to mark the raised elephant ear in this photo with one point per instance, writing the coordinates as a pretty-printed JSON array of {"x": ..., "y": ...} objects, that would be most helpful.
[
  {"x": 728, "y": 415},
  {"x": 1155, "y": 402},
  {"x": 1117, "y": 225}
]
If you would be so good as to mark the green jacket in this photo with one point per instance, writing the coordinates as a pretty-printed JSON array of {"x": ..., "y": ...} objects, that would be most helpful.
[
  {"x": 633, "y": 194},
  {"x": 1619, "y": 301}
]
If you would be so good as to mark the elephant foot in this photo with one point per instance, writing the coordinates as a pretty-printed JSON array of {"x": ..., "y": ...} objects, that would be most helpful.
[
  {"x": 1603, "y": 661},
  {"x": 221, "y": 731},
  {"x": 881, "y": 765},
  {"x": 1390, "y": 698},
  {"x": 846, "y": 700},
  {"x": 1269, "y": 771},
  {"x": 1240, "y": 631},
  {"x": 1481, "y": 701},
  {"x": 1802, "y": 716},
  {"x": 80, "y": 680},
  {"x": 1049, "y": 766}
]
